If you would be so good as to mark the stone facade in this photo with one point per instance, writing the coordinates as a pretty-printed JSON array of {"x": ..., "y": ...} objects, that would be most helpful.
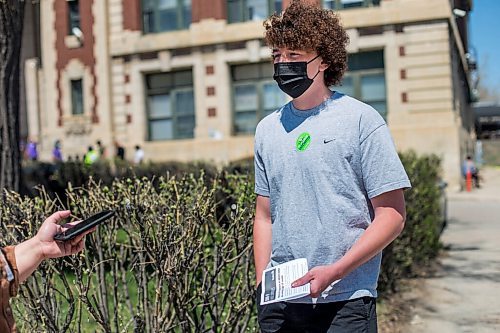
[{"x": 425, "y": 68}]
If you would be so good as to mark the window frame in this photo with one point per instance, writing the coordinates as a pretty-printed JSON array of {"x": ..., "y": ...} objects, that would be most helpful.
[
  {"x": 155, "y": 12},
  {"x": 259, "y": 84},
  {"x": 243, "y": 15},
  {"x": 356, "y": 77},
  {"x": 171, "y": 91},
  {"x": 74, "y": 100},
  {"x": 72, "y": 21},
  {"x": 362, "y": 64},
  {"x": 337, "y": 4}
]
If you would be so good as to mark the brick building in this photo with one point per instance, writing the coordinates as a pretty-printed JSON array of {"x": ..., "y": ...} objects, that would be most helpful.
[{"x": 190, "y": 79}]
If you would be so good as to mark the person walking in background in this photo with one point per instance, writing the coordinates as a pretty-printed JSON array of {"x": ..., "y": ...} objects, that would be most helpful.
[
  {"x": 139, "y": 155},
  {"x": 91, "y": 156},
  {"x": 32, "y": 151},
  {"x": 328, "y": 180},
  {"x": 56, "y": 152},
  {"x": 469, "y": 167},
  {"x": 18, "y": 262},
  {"x": 101, "y": 149},
  {"x": 120, "y": 151},
  {"x": 22, "y": 147}
]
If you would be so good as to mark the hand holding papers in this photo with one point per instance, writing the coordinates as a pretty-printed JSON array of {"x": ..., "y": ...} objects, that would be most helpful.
[{"x": 277, "y": 282}]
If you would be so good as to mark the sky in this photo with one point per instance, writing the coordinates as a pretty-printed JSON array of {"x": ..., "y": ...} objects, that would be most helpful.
[{"x": 484, "y": 37}]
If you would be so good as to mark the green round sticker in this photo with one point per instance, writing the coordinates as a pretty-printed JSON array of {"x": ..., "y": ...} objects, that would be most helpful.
[{"x": 303, "y": 141}]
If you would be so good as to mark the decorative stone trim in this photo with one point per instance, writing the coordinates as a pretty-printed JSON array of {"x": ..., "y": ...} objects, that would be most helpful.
[{"x": 72, "y": 42}]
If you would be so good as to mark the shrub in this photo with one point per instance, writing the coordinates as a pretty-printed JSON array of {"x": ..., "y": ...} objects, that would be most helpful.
[
  {"x": 55, "y": 178},
  {"x": 177, "y": 255},
  {"x": 165, "y": 263},
  {"x": 419, "y": 242}
]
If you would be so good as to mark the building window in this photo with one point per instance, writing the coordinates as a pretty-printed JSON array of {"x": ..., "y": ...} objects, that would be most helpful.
[
  {"x": 276, "y": 6},
  {"x": 170, "y": 106},
  {"x": 346, "y": 4},
  {"x": 255, "y": 95},
  {"x": 76, "y": 97},
  {"x": 251, "y": 10},
  {"x": 166, "y": 15},
  {"x": 365, "y": 80},
  {"x": 73, "y": 16}
]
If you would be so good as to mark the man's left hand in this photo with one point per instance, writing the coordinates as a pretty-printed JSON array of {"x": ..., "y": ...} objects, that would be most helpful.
[{"x": 320, "y": 277}]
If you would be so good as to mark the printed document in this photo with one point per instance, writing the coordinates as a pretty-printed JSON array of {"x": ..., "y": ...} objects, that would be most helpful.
[{"x": 277, "y": 282}]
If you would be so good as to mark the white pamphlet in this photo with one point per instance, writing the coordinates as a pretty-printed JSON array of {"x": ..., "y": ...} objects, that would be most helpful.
[{"x": 277, "y": 282}]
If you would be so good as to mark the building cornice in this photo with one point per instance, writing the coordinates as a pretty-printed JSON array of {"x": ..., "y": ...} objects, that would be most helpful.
[{"x": 213, "y": 32}]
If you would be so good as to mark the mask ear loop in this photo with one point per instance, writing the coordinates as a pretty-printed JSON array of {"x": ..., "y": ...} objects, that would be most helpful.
[
  {"x": 313, "y": 59},
  {"x": 315, "y": 74},
  {"x": 318, "y": 67}
]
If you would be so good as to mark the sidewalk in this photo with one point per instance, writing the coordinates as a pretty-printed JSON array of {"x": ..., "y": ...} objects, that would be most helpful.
[
  {"x": 489, "y": 191},
  {"x": 464, "y": 294}
]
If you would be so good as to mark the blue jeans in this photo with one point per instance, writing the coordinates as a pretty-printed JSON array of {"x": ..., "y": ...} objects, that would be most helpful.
[{"x": 353, "y": 316}]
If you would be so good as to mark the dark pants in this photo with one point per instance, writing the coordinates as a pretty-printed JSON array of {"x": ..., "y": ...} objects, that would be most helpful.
[{"x": 358, "y": 316}]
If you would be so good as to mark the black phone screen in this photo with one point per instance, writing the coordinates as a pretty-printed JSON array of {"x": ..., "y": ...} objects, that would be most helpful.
[{"x": 84, "y": 225}]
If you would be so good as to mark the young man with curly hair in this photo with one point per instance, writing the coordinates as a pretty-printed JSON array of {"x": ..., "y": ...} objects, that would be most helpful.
[{"x": 328, "y": 180}]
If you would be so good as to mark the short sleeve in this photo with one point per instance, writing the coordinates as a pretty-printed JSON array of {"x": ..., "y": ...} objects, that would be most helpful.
[{"x": 381, "y": 166}]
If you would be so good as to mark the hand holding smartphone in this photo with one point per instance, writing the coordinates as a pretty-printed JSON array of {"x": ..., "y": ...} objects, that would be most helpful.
[{"x": 84, "y": 225}]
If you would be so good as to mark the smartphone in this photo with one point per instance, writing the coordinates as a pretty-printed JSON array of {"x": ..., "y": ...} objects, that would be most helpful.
[{"x": 84, "y": 225}]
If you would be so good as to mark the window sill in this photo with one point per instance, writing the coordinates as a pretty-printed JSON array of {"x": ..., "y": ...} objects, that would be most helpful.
[
  {"x": 72, "y": 42},
  {"x": 78, "y": 124}
]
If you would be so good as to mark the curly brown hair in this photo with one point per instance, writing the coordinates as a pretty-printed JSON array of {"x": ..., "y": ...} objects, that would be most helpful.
[{"x": 308, "y": 27}]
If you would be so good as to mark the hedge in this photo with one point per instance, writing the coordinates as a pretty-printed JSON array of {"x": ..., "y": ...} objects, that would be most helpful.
[{"x": 178, "y": 254}]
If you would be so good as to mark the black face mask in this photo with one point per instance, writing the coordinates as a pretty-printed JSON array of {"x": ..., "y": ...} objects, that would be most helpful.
[{"x": 292, "y": 77}]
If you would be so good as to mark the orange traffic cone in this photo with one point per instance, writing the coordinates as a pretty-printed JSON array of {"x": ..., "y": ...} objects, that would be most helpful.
[{"x": 468, "y": 181}]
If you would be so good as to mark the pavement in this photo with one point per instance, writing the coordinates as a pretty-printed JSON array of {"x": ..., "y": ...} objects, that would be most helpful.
[{"x": 464, "y": 293}]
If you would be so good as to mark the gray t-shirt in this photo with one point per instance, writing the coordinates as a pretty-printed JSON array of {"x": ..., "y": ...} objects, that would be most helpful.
[{"x": 320, "y": 168}]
